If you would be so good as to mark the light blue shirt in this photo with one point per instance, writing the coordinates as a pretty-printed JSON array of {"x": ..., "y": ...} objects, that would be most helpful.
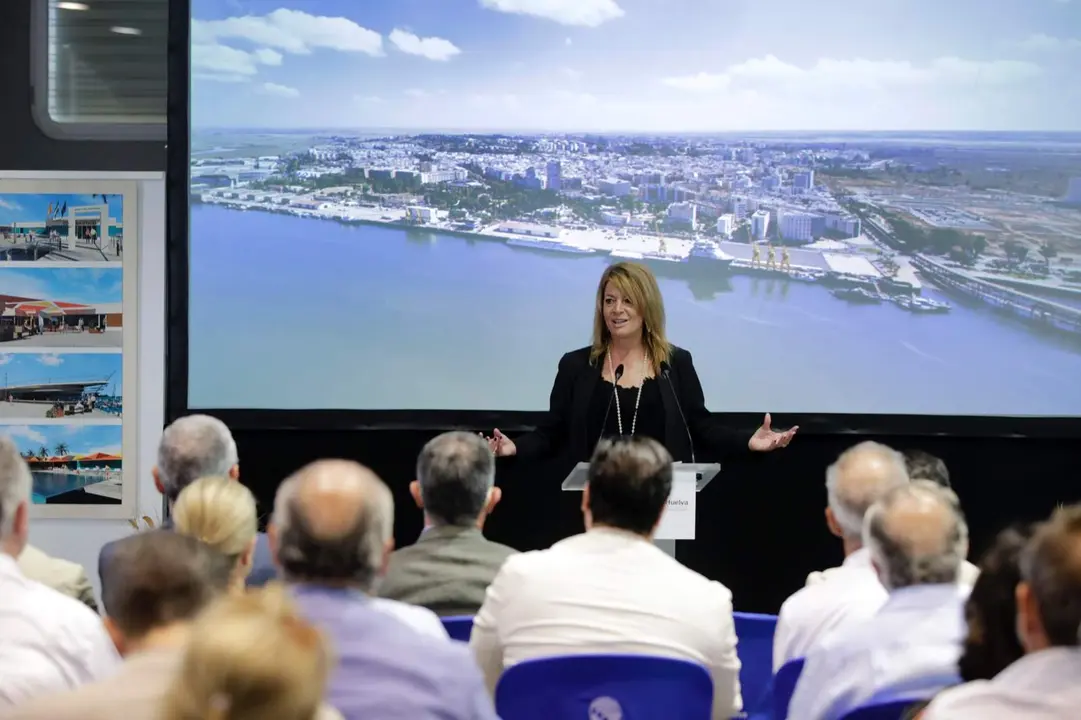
[{"x": 387, "y": 669}]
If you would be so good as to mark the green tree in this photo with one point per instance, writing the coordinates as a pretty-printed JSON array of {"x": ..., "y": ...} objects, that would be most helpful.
[{"x": 61, "y": 449}]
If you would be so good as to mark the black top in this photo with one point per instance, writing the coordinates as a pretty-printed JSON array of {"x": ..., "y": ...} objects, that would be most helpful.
[
  {"x": 567, "y": 427},
  {"x": 650, "y": 421}
]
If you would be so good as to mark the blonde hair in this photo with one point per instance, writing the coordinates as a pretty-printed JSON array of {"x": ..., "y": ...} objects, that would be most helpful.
[
  {"x": 251, "y": 657},
  {"x": 219, "y": 511},
  {"x": 636, "y": 282}
]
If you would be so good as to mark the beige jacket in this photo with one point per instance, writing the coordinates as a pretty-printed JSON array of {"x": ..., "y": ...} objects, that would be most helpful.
[{"x": 61, "y": 575}]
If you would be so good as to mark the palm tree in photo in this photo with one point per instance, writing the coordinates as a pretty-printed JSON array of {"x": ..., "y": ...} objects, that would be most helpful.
[
  {"x": 61, "y": 449},
  {"x": 43, "y": 453}
]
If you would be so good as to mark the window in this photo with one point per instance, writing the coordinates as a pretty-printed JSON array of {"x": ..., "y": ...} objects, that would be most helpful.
[{"x": 101, "y": 68}]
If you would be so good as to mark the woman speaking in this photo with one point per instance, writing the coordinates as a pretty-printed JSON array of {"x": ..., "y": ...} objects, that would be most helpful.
[{"x": 630, "y": 381}]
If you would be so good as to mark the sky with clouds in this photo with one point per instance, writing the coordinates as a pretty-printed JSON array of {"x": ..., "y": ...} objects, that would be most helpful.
[
  {"x": 28, "y": 368},
  {"x": 610, "y": 65},
  {"x": 80, "y": 439},
  {"x": 29, "y": 207},
  {"x": 78, "y": 285}
]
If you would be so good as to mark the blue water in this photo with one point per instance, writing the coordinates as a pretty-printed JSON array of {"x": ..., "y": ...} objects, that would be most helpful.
[
  {"x": 48, "y": 484},
  {"x": 299, "y": 313}
]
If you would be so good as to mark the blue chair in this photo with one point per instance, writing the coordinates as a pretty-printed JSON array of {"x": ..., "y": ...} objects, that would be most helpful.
[
  {"x": 459, "y": 627},
  {"x": 604, "y": 687},
  {"x": 755, "y": 633},
  {"x": 784, "y": 684},
  {"x": 891, "y": 710}
]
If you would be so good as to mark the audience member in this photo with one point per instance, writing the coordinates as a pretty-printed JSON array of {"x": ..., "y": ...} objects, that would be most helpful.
[
  {"x": 192, "y": 447},
  {"x": 922, "y": 465},
  {"x": 251, "y": 657},
  {"x": 918, "y": 539},
  {"x": 221, "y": 513},
  {"x": 332, "y": 534},
  {"x": 611, "y": 590},
  {"x": 49, "y": 642},
  {"x": 158, "y": 583},
  {"x": 65, "y": 577},
  {"x": 451, "y": 565},
  {"x": 851, "y": 593},
  {"x": 1042, "y": 684}
]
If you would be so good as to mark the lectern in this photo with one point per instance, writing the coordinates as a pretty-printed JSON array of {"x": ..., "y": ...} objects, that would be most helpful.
[{"x": 677, "y": 522}]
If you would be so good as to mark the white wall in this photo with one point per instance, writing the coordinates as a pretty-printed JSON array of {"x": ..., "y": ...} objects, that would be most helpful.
[{"x": 80, "y": 540}]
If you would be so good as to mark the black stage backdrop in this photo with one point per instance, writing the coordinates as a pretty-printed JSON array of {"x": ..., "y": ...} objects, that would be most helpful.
[{"x": 760, "y": 522}]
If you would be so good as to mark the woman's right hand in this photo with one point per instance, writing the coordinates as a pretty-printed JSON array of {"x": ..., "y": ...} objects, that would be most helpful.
[{"x": 500, "y": 444}]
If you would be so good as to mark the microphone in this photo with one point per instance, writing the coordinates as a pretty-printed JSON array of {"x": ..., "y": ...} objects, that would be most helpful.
[
  {"x": 615, "y": 388},
  {"x": 666, "y": 371}
]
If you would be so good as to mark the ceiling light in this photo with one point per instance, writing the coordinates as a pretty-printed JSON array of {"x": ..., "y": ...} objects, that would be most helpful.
[
  {"x": 72, "y": 6},
  {"x": 122, "y": 30}
]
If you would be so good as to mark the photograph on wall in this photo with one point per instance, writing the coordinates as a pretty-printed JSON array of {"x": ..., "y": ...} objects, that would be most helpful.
[
  {"x": 62, "y": 307},
  {"x": 68, "y": 278},
  {"x": 61, "y": 227},
  {"x": 55, "y": 386},
  {"x": 72, "y": 464}
]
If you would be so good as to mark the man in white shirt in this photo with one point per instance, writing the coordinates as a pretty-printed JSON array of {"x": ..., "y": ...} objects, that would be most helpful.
[
  {"x": 852, "y": 593},
  {"x": 611, "y": 590},
  {"x": 1043, "y": 684},
  {"x": 48, "y": 641},
  {"x": 909, "y": 649}
]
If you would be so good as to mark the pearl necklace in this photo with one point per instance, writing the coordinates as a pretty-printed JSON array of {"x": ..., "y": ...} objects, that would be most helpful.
[{"x": 637, "y": 399}]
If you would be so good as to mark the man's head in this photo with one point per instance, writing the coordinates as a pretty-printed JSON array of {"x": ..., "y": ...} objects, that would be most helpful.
[
  {"x": 156, "y": 581},
  {"x": 456, "y": 480},
  {"x": 923, "y": 465},
  {"x": 333, "y": 525},
  {"x": 1049, "y": 595},
  {"x": 917, "y": 535},
  {"x": 630, "y": 480},
  {"x": 192, "y": 447},
  {"x": 860, "y": 476},
  {"x": 16, "y": 486}
]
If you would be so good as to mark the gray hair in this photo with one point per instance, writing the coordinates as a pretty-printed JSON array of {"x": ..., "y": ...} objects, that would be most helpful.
[
  {"x": 859, "y": 477},
  {"x": 1051, "y": 565},
  {"x": 16, "y": 483},
  {"x": 908, "y": 543},
  {"x": 456, "y": 472},
  {"x": 308, "y": 553},
  {"x": 192, "y": 447}
]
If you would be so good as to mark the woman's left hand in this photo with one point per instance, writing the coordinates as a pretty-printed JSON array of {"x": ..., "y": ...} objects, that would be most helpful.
[{"x": 766, "y": 439}]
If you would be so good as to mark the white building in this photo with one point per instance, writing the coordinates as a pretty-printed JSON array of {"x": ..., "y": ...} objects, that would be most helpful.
[
  {"x": 804, "y": 180},
  {"x": 739, "y": 208},
  {"x": 759, "y": 225},
  {"x": 795, "y": 226},
  {"x": 418, "y": 213},
  {"x": 726, "y": 224},
  {"x": 616, "y": 187},
  {"x": 845, "y": 224},
  {"x": 442, "y": 175},
  {"x": 684, "y": 212},
  {"x": 609, "y": 217},
  {"x": 517, "y": 228}
]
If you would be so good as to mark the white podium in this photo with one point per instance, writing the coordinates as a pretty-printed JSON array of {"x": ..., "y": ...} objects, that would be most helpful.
[{"x": 677, "y": 521}]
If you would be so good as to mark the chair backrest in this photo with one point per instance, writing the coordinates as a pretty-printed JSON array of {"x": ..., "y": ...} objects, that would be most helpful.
[
  {"x": 892, "y": 710},
  {"x": 784, "y": 684},
  {"x": 755, "y": 635},
  {"x": 605, "y": 687},
  {"x": 459, "y": 627}
]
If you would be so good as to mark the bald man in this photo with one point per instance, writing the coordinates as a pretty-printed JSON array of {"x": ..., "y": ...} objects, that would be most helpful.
[
  {"x": 917, "y": 539},
  {"x": 851, "y": 593},
  {"x": 331, "y": 536}
]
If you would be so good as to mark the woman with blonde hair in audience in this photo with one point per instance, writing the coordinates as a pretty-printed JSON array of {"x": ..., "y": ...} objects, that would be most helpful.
[
  {"x": 222, "y": 513},
  {"x": 252, "y": 657}
]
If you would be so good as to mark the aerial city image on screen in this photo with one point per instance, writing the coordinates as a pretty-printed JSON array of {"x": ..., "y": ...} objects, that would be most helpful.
[{"x": 407, "y": 204}]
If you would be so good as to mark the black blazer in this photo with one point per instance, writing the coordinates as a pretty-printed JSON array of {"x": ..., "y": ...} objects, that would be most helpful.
[{"x": 564, "y": 429}]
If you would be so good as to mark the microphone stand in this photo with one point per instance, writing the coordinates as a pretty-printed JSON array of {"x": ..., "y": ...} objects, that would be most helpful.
[{"x": 667, "y": 372}]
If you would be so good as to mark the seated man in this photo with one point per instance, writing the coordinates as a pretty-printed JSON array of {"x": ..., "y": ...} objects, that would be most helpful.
[
  {"x": 910, "y": 647},
  {"x": 48, "y": 641},
  {"x": 331, "y": 534},
  {"x": 1043, "y": 684},
  {"x": 851, "y": 593},
  {"x": 611, "y": 590},
  {"x": 159, "y": 581},
  {"x": 451, "y": 565}
]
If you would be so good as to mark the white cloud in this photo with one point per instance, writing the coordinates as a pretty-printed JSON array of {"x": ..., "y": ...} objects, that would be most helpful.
[
  {"x": 585, "y": 13},
  {"x": 568, "y": 42},
  {"x": 369, "y": 99},
  {"x": 1041, "y": 42},
  {"x": 571, "y": 73},
  {"x": 24, "y": 432},
  {"x": 275, "y": 89},
  {"x": 857, "y": 74},
  {"x": 226, "y": 64},
  {"x": 432, "y": 48},
  {"x": 50, "y": 359},
  {"x": 416, "y": 93},
  {"x": 266, "y": 56},
  {"x": 9, "y": 204},
  {"x": 291, "y": 31}
]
